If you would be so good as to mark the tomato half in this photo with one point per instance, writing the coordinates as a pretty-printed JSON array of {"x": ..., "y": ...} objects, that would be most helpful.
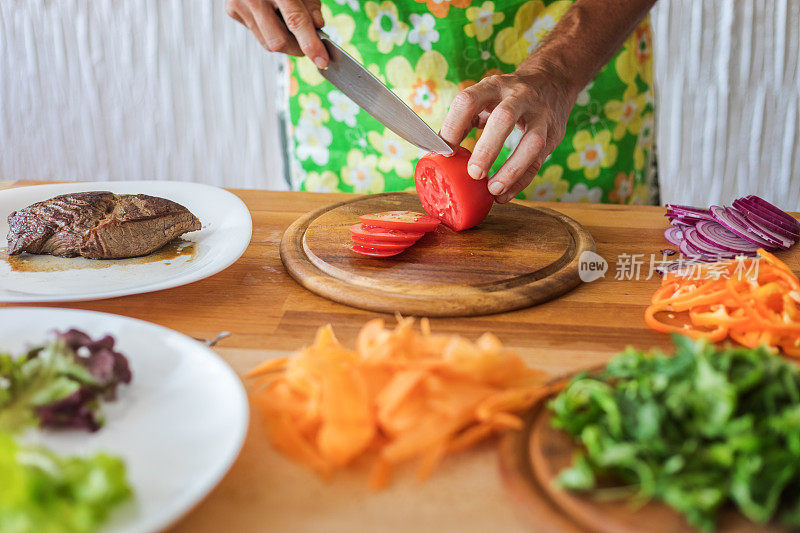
[
  {"x": 447, "y": 191},
  {"x": 363, "y": 241},
  {"x": 363, "y": 249},
  {"x": 384, "y": 235},
  {"x": 402, "y": 220}
]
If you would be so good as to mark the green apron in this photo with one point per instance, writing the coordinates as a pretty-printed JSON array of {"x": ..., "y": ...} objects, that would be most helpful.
[{"x": 427, "y": 51}]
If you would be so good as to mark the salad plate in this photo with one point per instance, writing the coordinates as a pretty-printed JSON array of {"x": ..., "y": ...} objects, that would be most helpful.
[
  {"x": 225, "y": 235},
  {"x": 178, "y": 426}
]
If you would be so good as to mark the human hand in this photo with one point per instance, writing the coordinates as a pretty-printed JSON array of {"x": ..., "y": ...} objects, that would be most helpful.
[
  {"x": 287, "y": 26},
  {"x": 536, "y": 100}
]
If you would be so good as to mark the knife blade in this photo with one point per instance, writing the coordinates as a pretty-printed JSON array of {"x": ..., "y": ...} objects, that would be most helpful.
[{"x": 350, "y": 77}]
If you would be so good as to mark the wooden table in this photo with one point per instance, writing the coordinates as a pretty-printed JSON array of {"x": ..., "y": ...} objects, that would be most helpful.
[{"x": 266, "y": 312}]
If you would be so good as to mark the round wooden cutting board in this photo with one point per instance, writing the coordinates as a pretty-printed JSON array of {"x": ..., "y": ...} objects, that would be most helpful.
[
  {"x": 519, "y": 256},
  {"x": 530, "y": 461}
]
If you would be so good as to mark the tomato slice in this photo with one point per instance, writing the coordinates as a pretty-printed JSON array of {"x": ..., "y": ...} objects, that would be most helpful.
[
  {"x": 363, "y": 241},
  {"x": 384, "y": 235},
  {"x": 364, "y": 249},
  {"x": 447, "y": 191},
  {"x": 402, "y": 220}
]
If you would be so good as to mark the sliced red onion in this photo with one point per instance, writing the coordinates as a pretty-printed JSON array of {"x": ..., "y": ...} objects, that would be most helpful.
[
  {"x": 732, "y": 220},
  {"x": 774, "y": 209},
  {"x": 674, "y": 235},
  {"x": 668, "y": 252},
  {"x": 692, "y": 253},
  {"x": 716, "y": 235},
  {"x": 768, "y": 221},
  {"x": 687, "y": 220},
  {"x": 674, "y": 212},
  {"x": 690, "y": 234},
  {"x": 689, "y": 208},
  {"x": 678, "y": 223},
  {"x": 767, "y": 214},
  {"x": 778, "y": 241}
]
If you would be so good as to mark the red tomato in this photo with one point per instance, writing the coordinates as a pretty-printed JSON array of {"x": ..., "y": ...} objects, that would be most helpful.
[
  {"x": 362, "y": 241},
  {"x": 364, "y": 249},
  {"x": 402, "y": 220},
  {"x": 448, "y": 192},
  {"x": 384, "y": 235}
]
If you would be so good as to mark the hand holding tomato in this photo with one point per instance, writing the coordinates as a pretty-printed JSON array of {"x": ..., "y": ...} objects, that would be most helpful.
[{"x": 535, "y": 99}]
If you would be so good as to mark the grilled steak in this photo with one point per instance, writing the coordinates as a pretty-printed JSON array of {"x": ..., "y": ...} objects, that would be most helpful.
[{"x": 98, "y": 225}]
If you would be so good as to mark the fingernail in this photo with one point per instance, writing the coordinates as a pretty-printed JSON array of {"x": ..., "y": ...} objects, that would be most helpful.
[
  {"x": 475, "y": 171},
  {"x": 320, "y": 63},
  {"x": 495, "y": 188}
]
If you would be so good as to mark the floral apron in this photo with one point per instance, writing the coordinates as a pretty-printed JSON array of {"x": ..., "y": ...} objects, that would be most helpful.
[{"x": 427, "y": 51}]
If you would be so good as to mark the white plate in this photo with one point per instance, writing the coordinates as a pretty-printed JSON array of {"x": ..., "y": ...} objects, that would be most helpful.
[
  {"x": 179, "y": 425},
  {"x": 227, "y": 228}
]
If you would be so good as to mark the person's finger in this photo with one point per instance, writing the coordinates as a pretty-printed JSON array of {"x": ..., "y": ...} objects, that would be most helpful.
[
  {"x": 518, "y": 187},
  {"x": 481, "y": 119},
  {"x": 232, "y": 8},
  {"x": 276, "y": 37},
  {"x": 247, "y": 19},
  {"x": 315, "y": 8},
  {"x": 498, "y": 127},
  {"x": 466, "y": 106},
  {"x": 528, "y": 155},
  {"x": 299, "y": 21}
]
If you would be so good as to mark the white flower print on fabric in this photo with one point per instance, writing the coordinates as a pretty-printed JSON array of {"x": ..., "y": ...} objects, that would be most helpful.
[
  {"x": 423, "y": 32},
  {"x": 313, "y": 141},
  {"x": 352, "y": 4},
  {"x": 342, "y": 108},
  {"x": 582, "y": 193}
]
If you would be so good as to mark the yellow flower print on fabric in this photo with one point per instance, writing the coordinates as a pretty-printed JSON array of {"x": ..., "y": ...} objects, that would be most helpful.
[
  {"x": 385, "y": 28},
  {"x": 592, "y": 153},
  {"x": 644, "y": 143},
  {"x": 361, "y": 173},
  {"x": 482, "y": 20},
  {"x": 642, "y": 195},
  {"x": 424, "y": 87},
  {"x": 628, "y": 112},
  {"x": 636, "y": 56},
  {"x": 548, "y": 185},
  {"x": 325, "y": 181},
  {"x": 395, "y": 153},
  {"x": 340, "y": 29},
  {"x": 311, "y": 109},
  {"x": 532, "y": 23}
]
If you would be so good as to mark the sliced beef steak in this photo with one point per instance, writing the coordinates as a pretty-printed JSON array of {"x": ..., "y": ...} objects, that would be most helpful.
[{"x": 98, "y": 225}]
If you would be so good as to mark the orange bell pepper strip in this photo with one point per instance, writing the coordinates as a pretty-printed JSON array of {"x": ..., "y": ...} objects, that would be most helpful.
[{"x": 714, "y": 335}]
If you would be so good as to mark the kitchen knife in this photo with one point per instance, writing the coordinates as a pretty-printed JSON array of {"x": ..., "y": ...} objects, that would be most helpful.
[{"x": 350, "y": 77}]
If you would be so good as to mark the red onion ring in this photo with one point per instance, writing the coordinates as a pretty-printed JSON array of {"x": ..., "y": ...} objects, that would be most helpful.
[
  {"x": 729, "y": 218},
  {"x": 777, "y": 241},
  {"x": 690, "y": 234},
  {"x": 767, "y": 221},
  {"x": 793, "y": 222},
  {"x": 674, "y": 235},
  {"x": 717, "y": 235}
]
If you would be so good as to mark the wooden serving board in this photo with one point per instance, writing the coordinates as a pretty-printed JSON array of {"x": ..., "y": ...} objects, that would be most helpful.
[
  {"x": 532, "y": 458},
  {"x": 519, "y": 256}
]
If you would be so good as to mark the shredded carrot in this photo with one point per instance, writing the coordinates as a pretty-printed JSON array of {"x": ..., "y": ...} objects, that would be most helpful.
[
  {"x": 402, "y": 395},
  {"x": 753, "y": 301}
]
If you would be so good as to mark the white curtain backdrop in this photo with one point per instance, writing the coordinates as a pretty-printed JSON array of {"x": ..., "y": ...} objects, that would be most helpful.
[
  {"x": 135, "y": 89},
  {"x": 173, "y": 89},
  {"x": 728, "y": 92}
]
